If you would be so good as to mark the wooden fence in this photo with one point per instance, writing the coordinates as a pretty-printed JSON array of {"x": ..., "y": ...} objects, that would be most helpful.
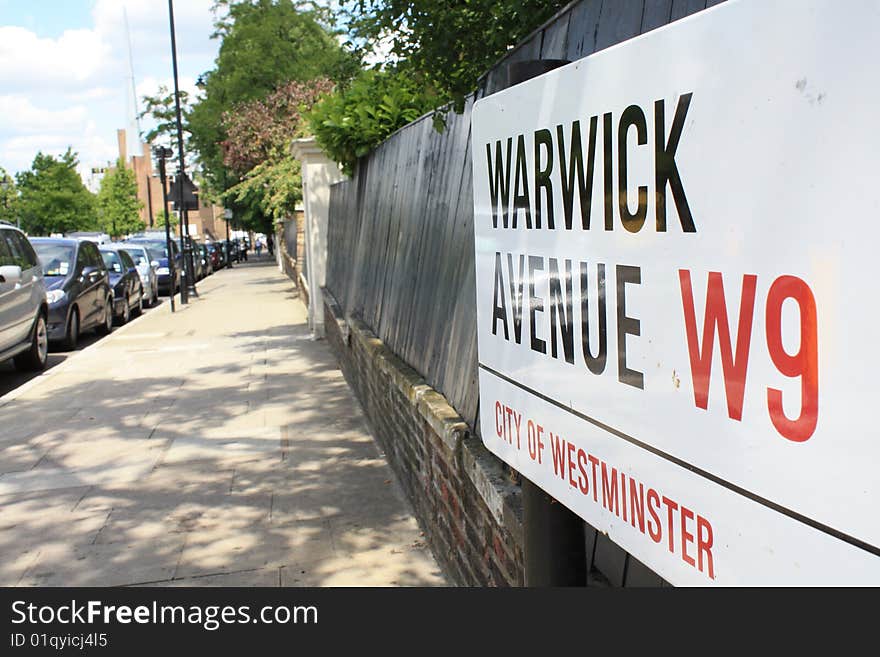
[{"x": 401, "y": 242}]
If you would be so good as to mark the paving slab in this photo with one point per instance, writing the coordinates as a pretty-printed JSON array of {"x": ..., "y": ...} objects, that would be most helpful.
[{"x": 215, "y": 446}]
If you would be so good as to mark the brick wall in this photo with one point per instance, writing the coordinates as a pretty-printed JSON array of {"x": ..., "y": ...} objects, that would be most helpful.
[{"x": 469, "y": 509}]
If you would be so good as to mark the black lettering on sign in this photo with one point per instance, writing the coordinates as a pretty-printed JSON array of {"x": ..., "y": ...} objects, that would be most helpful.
[
  {"x": 561, "y": 311},
  {"x": 574, "y": 177},
  {"x": 521, "y": 186},
  {"x": 516, "y": 294},
  {"x": 632, "y": 116},
  {"x": 608, "y": 171},
  {"x": 542, "y": 178},
  {"x": 665, "y": 169},
  {"x": 575, "y": 167},
  {"x": 536, "y": 304},
  {"x": 596, "y": 364},
  {"x": 499, "y": 310},
  {"x": 499, "y": 183},
  {"x": 627, "y": 326}
]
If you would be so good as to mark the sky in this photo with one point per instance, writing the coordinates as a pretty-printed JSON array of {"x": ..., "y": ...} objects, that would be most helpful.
[{"x": 65, "y": 77}]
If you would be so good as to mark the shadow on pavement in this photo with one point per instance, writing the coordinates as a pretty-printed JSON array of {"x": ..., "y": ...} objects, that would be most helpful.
[{"x": 309, "y": 501}]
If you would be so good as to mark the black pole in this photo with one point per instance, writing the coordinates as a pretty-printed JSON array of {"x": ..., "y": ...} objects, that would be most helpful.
[
  {"x": 228, "y": 243},
  {"x": 171, "y": 270},
  {"x": 554, "y": 549},
  {"x": 189, "y": 270}
]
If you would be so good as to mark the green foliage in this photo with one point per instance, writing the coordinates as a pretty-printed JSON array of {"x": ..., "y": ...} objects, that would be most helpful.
[
  {"x": 264, "y": 43},
  {"x": 352, "y": 121},
  {"x": 118, "y": 204},
  {"x": 8, "y": 197},
  {"x": 172, "y": 221},
  {"x": 258, "y": 150},
  {"x": 446, "y": 45},
  {"x": 162, "y": 110},
  {"x": 52, "y": 197}
]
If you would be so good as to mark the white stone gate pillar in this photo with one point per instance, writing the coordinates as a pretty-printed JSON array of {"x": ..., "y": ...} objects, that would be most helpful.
[{"x": 318, "y": 173}]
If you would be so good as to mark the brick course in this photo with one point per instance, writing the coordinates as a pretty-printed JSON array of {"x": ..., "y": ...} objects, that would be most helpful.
[{"x": 469, "y": 510}]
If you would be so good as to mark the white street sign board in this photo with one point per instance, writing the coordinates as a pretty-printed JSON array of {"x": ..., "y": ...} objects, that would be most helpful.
[{"x": 673, "y": 239}]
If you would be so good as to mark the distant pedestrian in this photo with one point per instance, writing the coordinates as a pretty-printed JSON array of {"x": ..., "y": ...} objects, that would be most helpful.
[
  {"x": 270, "y": 245},
  {"x": 259, "y": 247}
]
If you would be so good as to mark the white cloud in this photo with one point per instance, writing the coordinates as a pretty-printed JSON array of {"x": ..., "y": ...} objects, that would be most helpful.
[
  {"x": 75, "y": 89},
  {"x": 71, "y": 60},
  {"x": 21, "y": 116}
]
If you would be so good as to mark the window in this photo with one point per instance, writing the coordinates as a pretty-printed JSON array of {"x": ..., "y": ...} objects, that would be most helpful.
[
  {"x": 19, "y": 257},
  {"x": 112, "y": 261},
  {"x": 127, "y": 262},
  {"x": 90, "y": 254},
  {"x": 5, "y": 253},
  {"x": 139, "y": 256},
  {"x": 57, "y": 258},
  {"x": 26, "y": 249}
]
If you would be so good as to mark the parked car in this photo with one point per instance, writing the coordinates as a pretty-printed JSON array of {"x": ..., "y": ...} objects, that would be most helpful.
[
  {"x": 198, "y": 267},
  {"x": 128, "y": 292},
  {"x": 159, "y": 259},
  {"x": 24, "y": 310},
  {"x": 207, "y": 263},
  {"x": 216, "y": 255},
  {"x": 146, "y": 270},
  {"x": 96, "y": 237},
  {"x": 78, "y": 288}
]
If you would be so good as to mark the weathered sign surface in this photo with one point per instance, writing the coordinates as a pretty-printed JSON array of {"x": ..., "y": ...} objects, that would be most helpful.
[{"x": 676, "y": 299}]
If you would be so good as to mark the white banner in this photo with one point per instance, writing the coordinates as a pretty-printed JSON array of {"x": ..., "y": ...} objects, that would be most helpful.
[{"x": 674, "y": 299}]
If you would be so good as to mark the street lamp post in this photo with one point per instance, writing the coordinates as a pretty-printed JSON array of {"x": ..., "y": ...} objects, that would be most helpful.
[
  {"x": 161, "y": 153},
  {"x": 227, "y": 216},
  {"x": 184, "y": 228}
]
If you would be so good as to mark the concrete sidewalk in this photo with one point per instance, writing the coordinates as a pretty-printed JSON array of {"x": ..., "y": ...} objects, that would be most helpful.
[{"x": 218, "y": 445}]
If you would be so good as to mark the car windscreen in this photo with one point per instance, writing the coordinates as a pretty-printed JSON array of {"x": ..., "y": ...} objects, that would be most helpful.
[
  {"x": 138, "y": 254},
  {"x": 112, "y": 261},
  {"x": 57, "y": 259},
  {"x": 157, "y": 250}
]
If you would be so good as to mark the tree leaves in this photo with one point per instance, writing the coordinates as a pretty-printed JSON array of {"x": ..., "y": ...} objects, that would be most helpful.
[
  {"x": 117, "y": 202},
  {"x": 52, "y": 197},
  {"x": 349, "y": 123}
]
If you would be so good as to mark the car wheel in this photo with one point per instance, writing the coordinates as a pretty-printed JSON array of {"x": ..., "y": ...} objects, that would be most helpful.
[
  {"x": 107, "y": 325},
  {"x": 35, "y": 358},
  {"x": 126, "y": 314},
  {"x": 71, "y": 337},
  {"x": 139, "y": 309}
]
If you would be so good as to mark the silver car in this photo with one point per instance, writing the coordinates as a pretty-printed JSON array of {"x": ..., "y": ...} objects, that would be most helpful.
[
  {"x": 146, "y": 270},
  {"x": 23, "y": 307}
]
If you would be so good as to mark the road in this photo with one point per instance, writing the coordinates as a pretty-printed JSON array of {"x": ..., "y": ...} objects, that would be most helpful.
[{"x": 219, "y": 445}]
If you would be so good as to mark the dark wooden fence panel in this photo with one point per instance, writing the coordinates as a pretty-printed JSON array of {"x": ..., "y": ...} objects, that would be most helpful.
[{"x": 401, "y": 245}]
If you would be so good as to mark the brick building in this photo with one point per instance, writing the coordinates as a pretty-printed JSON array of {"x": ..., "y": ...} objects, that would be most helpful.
[{"x": 207, "y": 221}]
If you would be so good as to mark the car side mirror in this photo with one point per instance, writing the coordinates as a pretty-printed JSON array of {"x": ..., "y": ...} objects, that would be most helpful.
[{"x": 10, "y": 274}]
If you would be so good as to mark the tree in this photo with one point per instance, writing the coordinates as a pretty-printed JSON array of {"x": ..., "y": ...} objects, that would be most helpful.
[
  {"x": 8, "y": 197},
  {"x": 264, "y": 43},
  {"x": 445, "y": 45},
  {"x": 118, "y": 204},
  {"x": 351, "y": 122},
  {"x": 257, "y": 150},
  {"x": 161, "y": 108},
  {"x": 52, "y": 197}
]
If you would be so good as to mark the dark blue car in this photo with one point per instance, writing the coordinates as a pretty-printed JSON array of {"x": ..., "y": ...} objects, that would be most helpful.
[
  {"x": 159, "y": 254},
  {"x": 77, "y": 288},
  {"x": 128, "y": 291}
]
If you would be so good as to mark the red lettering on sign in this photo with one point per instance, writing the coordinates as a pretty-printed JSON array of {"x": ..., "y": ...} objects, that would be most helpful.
[
  {"x": 805, "y": 363},
  {"x": 734, "y": 366}
]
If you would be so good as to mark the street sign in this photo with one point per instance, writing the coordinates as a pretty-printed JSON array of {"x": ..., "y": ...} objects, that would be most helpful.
[
  {"x": 673, "y": 247},
  {"x": 190, "y": 194}
]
